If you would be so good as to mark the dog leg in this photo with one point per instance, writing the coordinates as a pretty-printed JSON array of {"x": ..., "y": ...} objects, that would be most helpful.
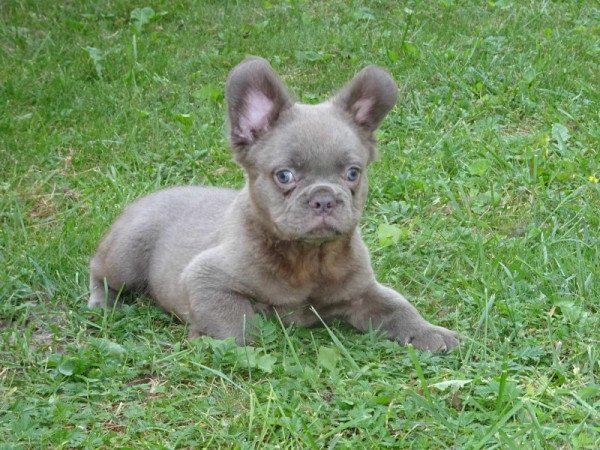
[
  {"x": 385, "y": 309},
  {"x": 102, "y": 295},
  {"x": 221, "y": 314},
  {"x": 216, "y": 309}
]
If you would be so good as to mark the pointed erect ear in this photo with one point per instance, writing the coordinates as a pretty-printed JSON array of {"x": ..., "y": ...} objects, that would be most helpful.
[
  {"x": 368, "y": 97},
  {"x": 255, "y": 99}
]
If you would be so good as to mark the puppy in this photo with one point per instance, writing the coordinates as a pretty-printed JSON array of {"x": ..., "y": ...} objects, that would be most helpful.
[{"x": 286, "y": 242}]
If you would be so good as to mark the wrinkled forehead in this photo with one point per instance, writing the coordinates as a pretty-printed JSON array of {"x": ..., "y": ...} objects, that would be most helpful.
[{"x": 315, "y": 135}]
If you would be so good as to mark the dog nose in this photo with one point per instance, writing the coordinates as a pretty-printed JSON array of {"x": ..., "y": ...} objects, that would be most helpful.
[{"x": 322, "y": 202}]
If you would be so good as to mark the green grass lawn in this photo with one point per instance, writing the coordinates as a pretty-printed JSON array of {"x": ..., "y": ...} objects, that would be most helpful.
[{"x": 484, "y": 210}]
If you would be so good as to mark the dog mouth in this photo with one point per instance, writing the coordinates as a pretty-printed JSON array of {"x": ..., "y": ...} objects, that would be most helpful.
[
  {"x": 312, "y": 227},
  {"x": 323, "y": 227}
]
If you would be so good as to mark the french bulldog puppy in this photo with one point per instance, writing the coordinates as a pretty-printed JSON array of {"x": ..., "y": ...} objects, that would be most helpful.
[{"x": 288, "y": 240}]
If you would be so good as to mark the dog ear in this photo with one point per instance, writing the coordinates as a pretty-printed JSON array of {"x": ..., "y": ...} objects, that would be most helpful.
[
  {"x": 368, "y": 97},
  {"x": 255, "y": 98}
]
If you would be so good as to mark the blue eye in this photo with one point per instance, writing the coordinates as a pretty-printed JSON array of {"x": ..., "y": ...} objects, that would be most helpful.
[
  {"x": 352, "y": 173},
  {"x": 284, "y": 176}
]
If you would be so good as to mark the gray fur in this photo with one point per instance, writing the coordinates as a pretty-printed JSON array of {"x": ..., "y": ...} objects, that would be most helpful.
[{"x": 215, "y": 257}]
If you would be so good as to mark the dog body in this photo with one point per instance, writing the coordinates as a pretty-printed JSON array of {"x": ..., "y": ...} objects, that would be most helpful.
[{"x": 288, "y": 240}]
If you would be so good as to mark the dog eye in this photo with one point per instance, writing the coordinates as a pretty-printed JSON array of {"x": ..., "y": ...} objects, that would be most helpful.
[
  {"x": 353, "y": 173},
  {"x": 284, "y": 176}
]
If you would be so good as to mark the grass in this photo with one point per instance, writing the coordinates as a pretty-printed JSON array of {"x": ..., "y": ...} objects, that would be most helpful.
[{"x": 483, "y": 210}]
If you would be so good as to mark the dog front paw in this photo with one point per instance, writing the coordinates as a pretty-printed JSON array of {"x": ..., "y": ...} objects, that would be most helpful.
[{"x": 433, "y": 338}]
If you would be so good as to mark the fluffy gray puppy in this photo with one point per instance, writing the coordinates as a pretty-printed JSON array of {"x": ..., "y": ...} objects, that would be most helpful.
[{"x": 288, "y": 240}]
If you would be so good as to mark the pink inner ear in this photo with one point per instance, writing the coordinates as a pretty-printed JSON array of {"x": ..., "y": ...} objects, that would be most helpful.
[
  {"x": 362, "y": 110},
  {"x": 255, "y": 115}
]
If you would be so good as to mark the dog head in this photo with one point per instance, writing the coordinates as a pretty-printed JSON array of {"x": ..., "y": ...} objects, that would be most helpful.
[{"x": 306, "y": 165}]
